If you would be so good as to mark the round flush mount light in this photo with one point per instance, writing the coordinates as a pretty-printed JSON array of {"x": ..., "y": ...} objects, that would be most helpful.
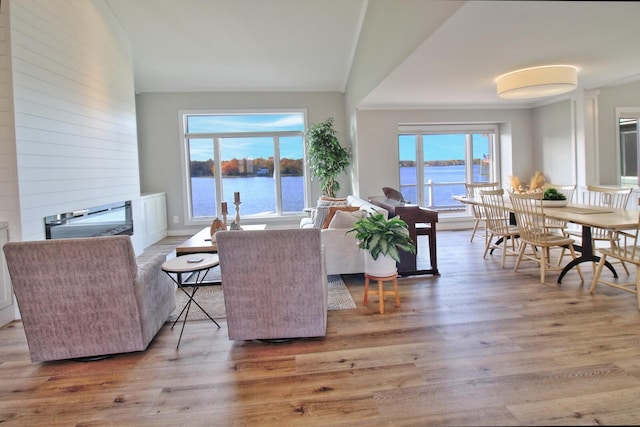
[{"x": 537, "y": 82}]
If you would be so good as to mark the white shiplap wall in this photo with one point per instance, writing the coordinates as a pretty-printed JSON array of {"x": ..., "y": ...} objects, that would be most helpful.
[
  {"x": 74, "y": 102},
  {"x": 9, "y": 201}
]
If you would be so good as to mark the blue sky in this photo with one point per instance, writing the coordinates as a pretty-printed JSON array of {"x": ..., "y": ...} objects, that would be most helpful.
[
  {"x": 443, "y": 147},
  {"x": 290, "y": 147},
  {"x": 439, "y": 147}
]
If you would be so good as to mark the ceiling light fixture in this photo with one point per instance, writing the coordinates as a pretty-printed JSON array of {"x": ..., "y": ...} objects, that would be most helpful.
[{"x": 536, "y": 82}]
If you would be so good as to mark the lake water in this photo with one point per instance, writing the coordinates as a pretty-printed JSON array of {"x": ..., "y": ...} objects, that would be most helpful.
[
  {"x": 257, "y": 194},
  {"x": 448, "y": 181}
]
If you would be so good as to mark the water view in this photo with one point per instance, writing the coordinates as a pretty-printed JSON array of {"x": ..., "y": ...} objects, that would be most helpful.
[
  {"x": 443, "y": 182},
  {"x": 257, "y": 193}
]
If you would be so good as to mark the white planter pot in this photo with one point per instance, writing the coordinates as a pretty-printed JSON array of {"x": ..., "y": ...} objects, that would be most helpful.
[
  {"x": 555, "y": 203},
  {"x": 381, "y": 267}
]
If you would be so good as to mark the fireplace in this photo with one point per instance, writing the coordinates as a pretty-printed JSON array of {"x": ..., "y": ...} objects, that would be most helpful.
[{"x": 106, "y": 220}]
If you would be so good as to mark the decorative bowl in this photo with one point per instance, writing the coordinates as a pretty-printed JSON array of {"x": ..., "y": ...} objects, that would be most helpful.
[{"x": 554, "y": 203}]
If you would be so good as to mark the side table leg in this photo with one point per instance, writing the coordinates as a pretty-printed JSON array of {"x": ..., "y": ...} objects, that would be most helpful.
[
  {"x": 184, "y": 321},
  {"x": 395, "y": 288},
  {"x": 366, "y": 291}
]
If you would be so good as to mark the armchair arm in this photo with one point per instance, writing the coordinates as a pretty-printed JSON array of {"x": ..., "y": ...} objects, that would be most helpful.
[{"x": 155, "y": 295}]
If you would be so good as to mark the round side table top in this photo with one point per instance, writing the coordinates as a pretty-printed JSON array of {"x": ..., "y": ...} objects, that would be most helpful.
[{"x": 189, "y": 263}]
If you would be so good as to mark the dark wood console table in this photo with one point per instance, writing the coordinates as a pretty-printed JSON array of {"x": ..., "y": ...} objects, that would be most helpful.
[{"x": 421, "y": 222}]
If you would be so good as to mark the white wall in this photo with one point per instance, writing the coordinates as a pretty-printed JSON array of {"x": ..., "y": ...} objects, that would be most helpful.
[
  {"x": 552, "y": 137},
  {"x": 160, "y": 140},
  {"x": 74, "y": 106},
  {"x": 610, "y": 98}
]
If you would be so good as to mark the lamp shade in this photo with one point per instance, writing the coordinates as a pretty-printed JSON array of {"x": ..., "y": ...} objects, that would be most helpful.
[{"x": 537, "y": 82}]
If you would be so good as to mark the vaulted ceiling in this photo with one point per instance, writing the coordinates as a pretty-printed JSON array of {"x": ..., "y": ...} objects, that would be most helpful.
[{"x": 310, "y": 45}]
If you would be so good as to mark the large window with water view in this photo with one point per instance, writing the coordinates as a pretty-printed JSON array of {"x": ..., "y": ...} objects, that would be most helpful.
[
  {"x": 258, "y": 155},
  {"x": 436, "y": 162}
]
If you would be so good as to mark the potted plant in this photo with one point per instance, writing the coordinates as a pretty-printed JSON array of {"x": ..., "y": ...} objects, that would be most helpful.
[
  {"x": 327, "y": 158},
  {"x": 382, "y": 240},
  {"x": 551, "y": 197}
]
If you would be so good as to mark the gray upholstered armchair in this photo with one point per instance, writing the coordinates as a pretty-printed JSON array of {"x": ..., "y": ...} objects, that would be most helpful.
[
  {"x": 274, "y": 283},
  {"x": 87, "y": 297}
]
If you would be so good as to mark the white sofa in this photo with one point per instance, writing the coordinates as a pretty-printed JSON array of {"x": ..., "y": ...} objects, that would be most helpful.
[{"x": 341, "y": 250}]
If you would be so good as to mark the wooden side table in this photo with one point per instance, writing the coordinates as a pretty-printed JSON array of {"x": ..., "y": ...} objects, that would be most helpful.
[
  {"x": 200, "y": 264},
  {"x": 381, "y": 292}
]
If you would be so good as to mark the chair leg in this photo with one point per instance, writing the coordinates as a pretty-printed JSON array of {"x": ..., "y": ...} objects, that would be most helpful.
[
  {"x": 596, "y": 275},
  {"x": 624, "y": 265},
  {"x": 638, "y": 287},
  {"x": 486, "y": 234},
  {"x": 523, "y": 246},
  {"x": 487, "y": 244},
  {"x": 544, "y": 253},
  {"x": 573, "y": 256},
  {"x": 475, "y": 229},
  {"x": 560, "y": 257}
]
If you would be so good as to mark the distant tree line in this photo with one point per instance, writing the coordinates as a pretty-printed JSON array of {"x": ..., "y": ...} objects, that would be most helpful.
[
  {"x": 412, "y": 163},
  {"x": 239, "y": 167}
]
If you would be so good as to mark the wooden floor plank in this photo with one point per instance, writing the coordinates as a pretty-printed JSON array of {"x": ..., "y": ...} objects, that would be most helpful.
[{"x": 477, "y": 345}]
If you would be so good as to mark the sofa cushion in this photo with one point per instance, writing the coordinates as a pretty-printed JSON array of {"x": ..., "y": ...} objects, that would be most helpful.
[
  {"x": 334, "y": 209},
  {"x": 319, "y": 214},
  {"x": 346, "y": 219}
]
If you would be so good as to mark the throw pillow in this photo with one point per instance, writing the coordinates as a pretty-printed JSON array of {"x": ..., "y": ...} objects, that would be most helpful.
[
  {"x": 334, "y": 209},
  {"x": 320, "y": 214},
  {"x": 346, "y": 219}
]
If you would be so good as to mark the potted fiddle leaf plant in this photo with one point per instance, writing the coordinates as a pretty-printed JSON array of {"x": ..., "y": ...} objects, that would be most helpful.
[
  {"x": 382, "y": 239},
  {"x": 327, "y": 158}
]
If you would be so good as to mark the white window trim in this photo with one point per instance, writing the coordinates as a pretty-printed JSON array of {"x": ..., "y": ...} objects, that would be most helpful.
[
  {"x": 419, "y": 129},
  {"x": 184, "y": 155}
]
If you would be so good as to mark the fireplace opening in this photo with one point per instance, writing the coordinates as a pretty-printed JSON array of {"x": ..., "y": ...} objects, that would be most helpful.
[{"x": 106, "y": 220}]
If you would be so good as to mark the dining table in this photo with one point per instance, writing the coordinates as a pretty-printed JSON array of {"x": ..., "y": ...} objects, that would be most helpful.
[{"x": 587, "y": 216}]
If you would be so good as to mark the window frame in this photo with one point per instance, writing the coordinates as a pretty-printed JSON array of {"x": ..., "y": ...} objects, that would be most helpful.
[
  {"x": 632, "y": 113},
  {"x": 183, "y": 115},
  {"x": 419, "y": 130}
]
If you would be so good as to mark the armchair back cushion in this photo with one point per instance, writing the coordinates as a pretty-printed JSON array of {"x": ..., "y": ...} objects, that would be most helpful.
[
  {"x": 87, "y": 297},
  {"x": 274, "y": 283}
]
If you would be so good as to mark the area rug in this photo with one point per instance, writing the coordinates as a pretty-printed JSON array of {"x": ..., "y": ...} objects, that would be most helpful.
[{"x": 211, "y": 299}]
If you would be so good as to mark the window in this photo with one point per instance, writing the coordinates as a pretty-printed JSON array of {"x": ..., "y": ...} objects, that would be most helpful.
[
  {"x": 443, "y": 159},
  {"x": 629, "y": 155},
  {"x": 259, "y": 155}
]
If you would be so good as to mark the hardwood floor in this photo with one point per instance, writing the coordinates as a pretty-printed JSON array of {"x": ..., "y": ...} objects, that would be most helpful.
[{"x": 478, "y": 345}]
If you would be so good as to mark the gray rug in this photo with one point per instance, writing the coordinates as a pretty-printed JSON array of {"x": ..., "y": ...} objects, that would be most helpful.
[{"x": 211, "y": 299}]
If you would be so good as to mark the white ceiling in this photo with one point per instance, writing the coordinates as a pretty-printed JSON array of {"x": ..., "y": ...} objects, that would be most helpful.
[{"x": 309, "y": 45}]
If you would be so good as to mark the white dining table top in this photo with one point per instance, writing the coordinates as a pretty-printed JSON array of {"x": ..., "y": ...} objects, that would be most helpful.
[{"x": 586, "y": 215}]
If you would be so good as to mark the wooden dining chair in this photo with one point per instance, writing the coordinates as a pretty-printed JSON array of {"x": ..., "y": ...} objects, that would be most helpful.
[
  {"x": 531, "y": 222},
  {"x": 607, "y": 197},
  {"x": 497, "y": 224},
  {"x": 473, "y": 191},
  {"x": 623, "y": 246},
  {"x": 557, "y": 225}
]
